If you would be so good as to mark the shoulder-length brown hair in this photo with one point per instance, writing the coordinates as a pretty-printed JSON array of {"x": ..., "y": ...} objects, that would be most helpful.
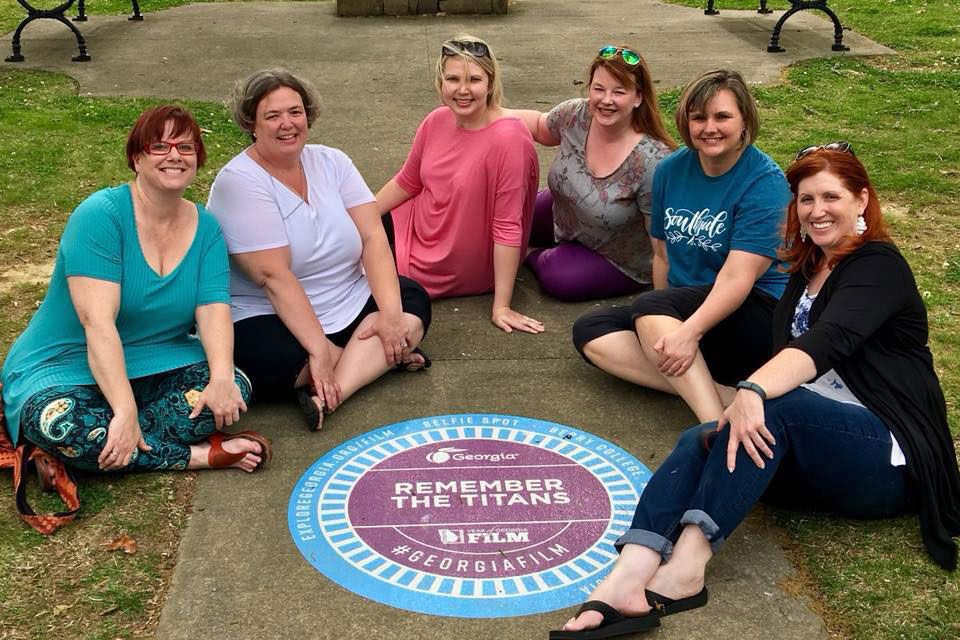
[
  {"x": 805, "y": 256},
  {"x": 646, "y": 118},
  {"x": 702, "y": 90}
]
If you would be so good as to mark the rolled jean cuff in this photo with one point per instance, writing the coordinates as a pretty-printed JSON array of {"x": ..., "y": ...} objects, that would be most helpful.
[
  {"x": 709, "y": 528},
  {"x": 647, "y": 539}
]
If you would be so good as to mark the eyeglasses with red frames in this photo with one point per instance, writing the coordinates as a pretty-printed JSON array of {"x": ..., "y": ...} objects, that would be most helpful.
[
  {"x": 163, "y": 147},
  {"x": 842, "y": 147}
]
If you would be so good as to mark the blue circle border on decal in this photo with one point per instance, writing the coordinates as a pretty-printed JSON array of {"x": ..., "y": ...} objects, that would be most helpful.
[{"x": 397, "y": 552}]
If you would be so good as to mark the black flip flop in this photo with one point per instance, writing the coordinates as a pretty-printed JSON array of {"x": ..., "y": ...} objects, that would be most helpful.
[
  {"x": 664, "y": 606},
  {"x": 613, "y": 625},
  {"x": 311, "y": 412},
  {"x": 405, "y": 366}
]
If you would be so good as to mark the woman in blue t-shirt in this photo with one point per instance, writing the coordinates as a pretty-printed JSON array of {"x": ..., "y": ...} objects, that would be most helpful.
[
  {"x": 106, "y": 377},
  {"x": 718, "y": 207}
]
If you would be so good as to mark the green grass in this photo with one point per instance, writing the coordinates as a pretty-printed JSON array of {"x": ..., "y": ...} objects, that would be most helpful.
[
  {"x": 70, "y": 585},
  {"x": 901, "y": 113},
  {"x": 82, "y": 151}
]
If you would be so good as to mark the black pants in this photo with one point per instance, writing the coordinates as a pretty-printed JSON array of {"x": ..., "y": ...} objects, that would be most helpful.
[
  {"x": 273, "y": 358},
  {"x": 736, "y": 347}
]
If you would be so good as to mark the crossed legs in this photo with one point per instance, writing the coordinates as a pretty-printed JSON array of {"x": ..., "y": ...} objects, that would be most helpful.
[
  {"x": 621, "y": 341},
  {"x": 71, "y": 423},
  {"x": 629, "y": 354},
  {"x": 360, "y": 362},
  {"x": 830, "y": 455}
]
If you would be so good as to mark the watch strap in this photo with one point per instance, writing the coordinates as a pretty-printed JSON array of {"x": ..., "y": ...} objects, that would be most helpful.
[{"x": 752, "y": 386}]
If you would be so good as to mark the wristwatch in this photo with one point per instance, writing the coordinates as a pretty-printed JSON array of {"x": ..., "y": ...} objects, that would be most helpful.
[{"x": 752, "y": 386}]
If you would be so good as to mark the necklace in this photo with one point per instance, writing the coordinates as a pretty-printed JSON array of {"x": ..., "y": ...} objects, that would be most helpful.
[{"x": 298, "y": 185}]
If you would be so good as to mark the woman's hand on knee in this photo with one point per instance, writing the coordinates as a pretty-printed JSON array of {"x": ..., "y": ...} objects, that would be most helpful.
[
  {"x": 123, "y": 439},
  {"x": 507, "y": 319},
  {"x": 677, "y": 350},
  {"x": 745, "y": 418},
  {"x": 321, "y": 373},
  {"x": 394, "y": 334},
  {"x": 223, "y": 399}
]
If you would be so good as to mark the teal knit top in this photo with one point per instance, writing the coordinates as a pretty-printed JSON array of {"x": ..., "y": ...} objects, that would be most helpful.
[{"x": 156, "y": 313}]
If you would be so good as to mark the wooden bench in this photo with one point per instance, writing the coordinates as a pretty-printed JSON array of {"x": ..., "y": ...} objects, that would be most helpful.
[
  {"x": 795, "y": 6},
  {"x": 59, "y": 13}
]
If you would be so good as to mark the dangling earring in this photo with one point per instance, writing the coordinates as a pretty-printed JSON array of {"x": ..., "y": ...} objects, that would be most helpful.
[
  {"x": 803, "y": 235},
  {"x": 861, "y": 225}
]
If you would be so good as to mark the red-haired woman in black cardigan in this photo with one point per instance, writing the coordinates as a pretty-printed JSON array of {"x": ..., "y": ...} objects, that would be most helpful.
[{"x": 848, "y": 416}]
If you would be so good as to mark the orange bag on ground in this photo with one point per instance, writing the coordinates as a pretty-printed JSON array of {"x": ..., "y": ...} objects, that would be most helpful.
[{"x": 59, "y": 479}]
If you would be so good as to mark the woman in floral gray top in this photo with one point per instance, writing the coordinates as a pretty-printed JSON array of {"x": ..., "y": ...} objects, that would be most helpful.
[{"x": 594, "y": 218}]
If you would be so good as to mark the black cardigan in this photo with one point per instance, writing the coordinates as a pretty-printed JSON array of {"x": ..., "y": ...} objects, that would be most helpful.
[{"x": 869, "y": 323}]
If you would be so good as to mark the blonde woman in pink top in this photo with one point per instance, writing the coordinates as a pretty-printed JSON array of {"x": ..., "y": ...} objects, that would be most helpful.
[{"x": 462, "y": 204}]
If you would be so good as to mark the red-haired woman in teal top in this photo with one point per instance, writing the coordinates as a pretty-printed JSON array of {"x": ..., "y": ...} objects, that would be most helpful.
[{"x": 107, "y": 376}]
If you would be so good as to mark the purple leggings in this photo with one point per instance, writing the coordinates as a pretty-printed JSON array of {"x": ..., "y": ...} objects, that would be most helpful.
[{"x": 569, "y": 271}]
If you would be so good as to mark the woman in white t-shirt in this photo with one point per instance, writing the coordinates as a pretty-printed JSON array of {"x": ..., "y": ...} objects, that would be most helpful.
[{"x": 317, "y": 304}]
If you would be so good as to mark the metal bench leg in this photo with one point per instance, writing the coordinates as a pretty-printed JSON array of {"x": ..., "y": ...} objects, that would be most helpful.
[
  {"x": 837, "y": 30},
  {"x": 710, "y": 11},
  {"x": 774, "y": 46},
  {"x": 136, "y": 12},
  {"x": 763, "y": 7},
  {"x": 81, "y": 12},
  {"x": 16, "y": 56},
  {"x": 81, "y": 43}
]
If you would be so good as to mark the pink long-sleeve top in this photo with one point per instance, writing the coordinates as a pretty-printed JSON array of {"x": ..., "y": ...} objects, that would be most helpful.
[{"x": 471, "y": 188}]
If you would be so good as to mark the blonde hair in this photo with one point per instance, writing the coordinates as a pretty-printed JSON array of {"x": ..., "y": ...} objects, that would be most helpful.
[{"x": 487, "y": 63}]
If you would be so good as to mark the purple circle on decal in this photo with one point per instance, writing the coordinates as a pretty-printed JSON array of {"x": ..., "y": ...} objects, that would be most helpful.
[
  {"x": 479, "y": 508},
  {"x": 467, "y": 515}
]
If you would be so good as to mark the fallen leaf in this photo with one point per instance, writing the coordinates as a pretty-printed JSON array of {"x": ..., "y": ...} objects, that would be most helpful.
[{"x": 124, "y": 542}]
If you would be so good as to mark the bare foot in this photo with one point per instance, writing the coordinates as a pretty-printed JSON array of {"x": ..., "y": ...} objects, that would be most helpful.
[
  {"x": 199, "y": 454},
  {"x": 622, "y": 590},
  {"x": 321, "y": 411},
  {"x": 727, "y": 394},
  {"x": 673, "y": 586},
  {"x": 675, "y": 583}
]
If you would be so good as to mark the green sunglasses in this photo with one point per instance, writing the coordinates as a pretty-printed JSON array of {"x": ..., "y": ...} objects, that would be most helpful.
[{"x": 608, "y": 52}]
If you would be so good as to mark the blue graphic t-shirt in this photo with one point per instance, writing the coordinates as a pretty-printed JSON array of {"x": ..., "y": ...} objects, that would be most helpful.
[{"x": 702, "y": 218}]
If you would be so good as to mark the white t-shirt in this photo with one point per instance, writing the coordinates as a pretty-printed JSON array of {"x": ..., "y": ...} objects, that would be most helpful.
[{"x": 258, "y": 212}]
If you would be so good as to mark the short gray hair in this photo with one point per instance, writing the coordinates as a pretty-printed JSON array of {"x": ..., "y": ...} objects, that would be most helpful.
[{"x": 248, "y": 93}]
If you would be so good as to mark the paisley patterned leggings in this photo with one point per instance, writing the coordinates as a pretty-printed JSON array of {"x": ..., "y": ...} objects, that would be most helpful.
[{"x": 70, "y": 422}]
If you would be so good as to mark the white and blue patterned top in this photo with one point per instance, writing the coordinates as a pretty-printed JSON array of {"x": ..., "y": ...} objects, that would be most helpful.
[{"x": 830, "y": 384}]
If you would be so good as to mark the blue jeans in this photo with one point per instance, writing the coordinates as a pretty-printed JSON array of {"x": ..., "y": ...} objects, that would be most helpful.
[{"x": 830, "y": 455}]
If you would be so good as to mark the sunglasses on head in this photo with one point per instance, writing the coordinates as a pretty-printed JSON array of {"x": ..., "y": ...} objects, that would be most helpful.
[
  {"x": 842, "y": 147},
  {"x": 454, "y": 47},
  {"x": 608, "y": 52}
]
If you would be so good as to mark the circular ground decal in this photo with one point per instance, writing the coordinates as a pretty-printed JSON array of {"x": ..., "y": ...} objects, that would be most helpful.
[{"x": 470, "y": 515}]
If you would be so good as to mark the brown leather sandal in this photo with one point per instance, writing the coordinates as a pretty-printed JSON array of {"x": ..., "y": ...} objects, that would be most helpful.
[{"x": 219, "y": 458}]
